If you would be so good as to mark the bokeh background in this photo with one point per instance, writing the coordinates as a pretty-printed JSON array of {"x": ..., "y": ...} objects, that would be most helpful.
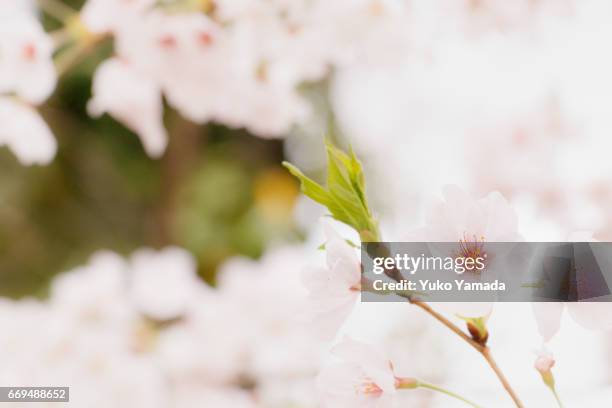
[{"x": 490, "y": 95}]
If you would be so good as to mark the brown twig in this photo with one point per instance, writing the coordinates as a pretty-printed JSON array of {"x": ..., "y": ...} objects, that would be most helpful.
[{"x": 482, "y": 349}]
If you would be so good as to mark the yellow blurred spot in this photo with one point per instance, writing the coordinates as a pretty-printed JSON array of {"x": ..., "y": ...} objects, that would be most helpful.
[{"x": 275, "y": 193}]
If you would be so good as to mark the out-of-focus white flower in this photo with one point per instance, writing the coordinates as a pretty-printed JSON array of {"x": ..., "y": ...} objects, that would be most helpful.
[
  {"x": 365, "y": 378},
  {"x": 163, "y": 284},
  {"x": 91, "y": 298},
  {"x": 365, "y": 32},
  {"x": 11, "y": 9},
  {"x": 97, "y": 341},
  {"x": 513, "y": 156},
  {"x": 101, "y": 16},
  {"x": 26, "y": 64},
  {"x": 334, "y": 289},
  {"x": 25, "y": 133},
  {"x": 193, "y": 397},
  {"x": 133, "y": 99},
  {"x": 278, "y": 343},
  {"x": 212, "y": 73},
  {"x": 209, "y": 344},
  {"x": 590, "y": 315}
]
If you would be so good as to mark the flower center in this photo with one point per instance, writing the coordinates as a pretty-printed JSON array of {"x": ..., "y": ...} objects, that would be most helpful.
[
  {"x": 29, "y": 51},
  {"x": 369, "y": 388},
  {"x": 471, "y": 247},
  {"x": 167, "y": 42}
]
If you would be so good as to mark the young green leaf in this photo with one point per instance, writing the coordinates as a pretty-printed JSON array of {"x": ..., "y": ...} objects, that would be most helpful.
[{"x": 344, "y": 195}]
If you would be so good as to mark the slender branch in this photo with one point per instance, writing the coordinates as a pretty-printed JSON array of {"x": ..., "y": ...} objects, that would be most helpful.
[
  {"x": 556, "y": 394},
  {"x": 447, "y": 392},
  {"x": 479, "y": 347},
  {"x": 502, "y": 378},
  {"x": 484, "y": 350},
  {"x": 56, "y": 9}
]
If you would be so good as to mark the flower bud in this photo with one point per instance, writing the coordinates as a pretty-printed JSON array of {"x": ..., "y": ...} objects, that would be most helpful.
[
  {"x": 544, "y": 363},
  {"x": 407, "y": 383}
]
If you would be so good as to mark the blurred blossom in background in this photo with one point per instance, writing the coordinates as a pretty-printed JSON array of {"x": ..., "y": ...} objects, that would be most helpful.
[{"x": 151, "y": 243}]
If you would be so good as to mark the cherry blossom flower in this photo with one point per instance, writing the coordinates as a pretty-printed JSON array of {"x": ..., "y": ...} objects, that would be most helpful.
[
  {"x": 471, "y": 224},
  {"x": 334, "y": 289},
  {"x": 26, "y": 65},
  {"x": 133, "y": 99},
  {"x": 365, "y": 378},
  {"x": 204, "y": 69},
  {"x": 25, "y": 133},
  {"x": 153, "y": 273},
  {"x": 102, "y": 16}
]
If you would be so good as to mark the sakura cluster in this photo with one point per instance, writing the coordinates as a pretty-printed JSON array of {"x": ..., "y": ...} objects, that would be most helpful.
[
  {"x": 366, "y": 376},
  {"x": 147, "y": 332},
  {"x": 239, "y": 63}
]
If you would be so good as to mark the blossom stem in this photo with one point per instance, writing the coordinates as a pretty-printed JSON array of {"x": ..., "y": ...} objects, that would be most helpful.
[
  {"x": 556, "y": 394},
  {"x": 56, "y": 9},
  {"x": 479, "y": 347},
  {"x": 482, "y": 349},
  {"x": 500, "y": 375},
  {"x": 447, "y": 392}
]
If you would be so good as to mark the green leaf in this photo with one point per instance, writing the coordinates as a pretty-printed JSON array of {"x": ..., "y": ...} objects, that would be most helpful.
[
  {"x": 344, "y": 196},
  {"x": 309, "y": 187}
]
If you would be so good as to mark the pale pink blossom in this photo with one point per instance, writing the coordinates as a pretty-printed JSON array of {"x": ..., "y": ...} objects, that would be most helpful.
[
  {"x": 211, "y": 73},
  {"x": 334, "y": 289},
  {"x": 26, "y": 64},
  {"x": 363, "y": 379},
  {"x": 544, "y": 361},
  {"x": 471, "y": 223},
  {"x": 459, "y": 216},
  {"x": 133, "y": 99},
  {"x": 25, "y": 133},
  {"x": 163, "y": 284},
  {"x": 194, "y": 396},
  {"x": 102, "y": 16},
  {"x": 590, "y": 315}
]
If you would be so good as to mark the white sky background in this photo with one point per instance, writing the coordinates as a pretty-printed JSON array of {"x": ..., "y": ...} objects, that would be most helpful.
[{"x": 416, "y": 125}]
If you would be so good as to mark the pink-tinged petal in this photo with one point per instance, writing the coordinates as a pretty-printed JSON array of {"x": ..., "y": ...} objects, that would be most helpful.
[
  {"x": 581, "y": 236},
  {"x": 364, "y": 354},
  {"x": 337, "y": 385},
  {"x": 365, "y": 378},
  {"x": 328, "y": 314},
  {"x": 316, "y": 279},
  {"x": 592, "y": 315},
  {"x": 133, "y": 99},
  {"x": 25, "y": 133},
  {"x": 26, "y": 59},
  {"x": 346, "y": 274},
  {"x": 337, "y": 248},
  {"x": 544, "y": 361},
  {"x": 548, "y": 317},
  {"x": 502, "y": 221}
]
